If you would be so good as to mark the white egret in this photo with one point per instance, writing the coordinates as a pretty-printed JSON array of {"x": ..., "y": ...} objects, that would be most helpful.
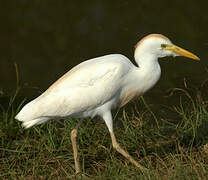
[{"x": 96, "y": 86}]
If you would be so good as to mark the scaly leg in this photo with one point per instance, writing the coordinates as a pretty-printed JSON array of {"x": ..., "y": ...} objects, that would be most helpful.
[
  {"x": 118, "y": 148},
  {"x": 109, "y": 122},
  {"x": 74, "y": 145}
]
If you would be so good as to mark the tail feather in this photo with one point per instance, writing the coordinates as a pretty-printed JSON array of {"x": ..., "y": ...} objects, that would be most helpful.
[
  {"x": 28, "y": 124},
  {"x": 31, "y": 114}
]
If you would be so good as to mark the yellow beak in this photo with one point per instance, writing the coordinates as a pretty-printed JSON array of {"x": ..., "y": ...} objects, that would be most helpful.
[{"x": 182, "y": 52}]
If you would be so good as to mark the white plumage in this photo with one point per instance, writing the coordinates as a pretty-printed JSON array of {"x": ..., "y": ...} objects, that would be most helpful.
[
  {"x": 89, "y": 89},
  {"x": 98, "y": 85}
]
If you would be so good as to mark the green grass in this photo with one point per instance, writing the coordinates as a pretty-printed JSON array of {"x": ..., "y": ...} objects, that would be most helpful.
[{"x": 171, "y": 141}]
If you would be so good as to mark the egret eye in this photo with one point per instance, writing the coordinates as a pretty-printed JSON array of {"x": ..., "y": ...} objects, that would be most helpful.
[{"x": 164, "y": 46}]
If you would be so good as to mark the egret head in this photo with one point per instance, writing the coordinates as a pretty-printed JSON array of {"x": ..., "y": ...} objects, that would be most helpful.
[{"x": 160, "y": 46}]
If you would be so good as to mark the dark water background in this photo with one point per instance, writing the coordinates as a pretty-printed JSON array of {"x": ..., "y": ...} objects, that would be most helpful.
[{"x": 46, "y": 38}]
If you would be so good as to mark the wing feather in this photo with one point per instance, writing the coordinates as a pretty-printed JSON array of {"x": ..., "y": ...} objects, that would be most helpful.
[{"x": 85, "y": 87}]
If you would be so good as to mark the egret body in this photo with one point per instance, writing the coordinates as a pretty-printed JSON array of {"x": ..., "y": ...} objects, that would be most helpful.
[{"x": 96, "y": 86}]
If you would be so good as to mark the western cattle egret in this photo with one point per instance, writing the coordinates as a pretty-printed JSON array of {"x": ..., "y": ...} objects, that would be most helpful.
[{"x": 98, "y": 85}]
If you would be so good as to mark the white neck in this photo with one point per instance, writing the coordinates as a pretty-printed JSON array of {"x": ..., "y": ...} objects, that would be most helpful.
[{"x": 149, "y": 69}]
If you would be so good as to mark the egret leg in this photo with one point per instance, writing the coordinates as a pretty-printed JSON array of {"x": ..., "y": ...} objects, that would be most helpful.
[
  {"x": 118, "y": 148},
  {"x": 74, "y": 145},
  {"x": 109, "y": 122}
]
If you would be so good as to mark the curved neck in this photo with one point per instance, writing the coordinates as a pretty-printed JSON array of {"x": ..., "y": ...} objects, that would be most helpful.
[
  {"x": 146, "y": 60},
  {"x": 149, "y": 69}
]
